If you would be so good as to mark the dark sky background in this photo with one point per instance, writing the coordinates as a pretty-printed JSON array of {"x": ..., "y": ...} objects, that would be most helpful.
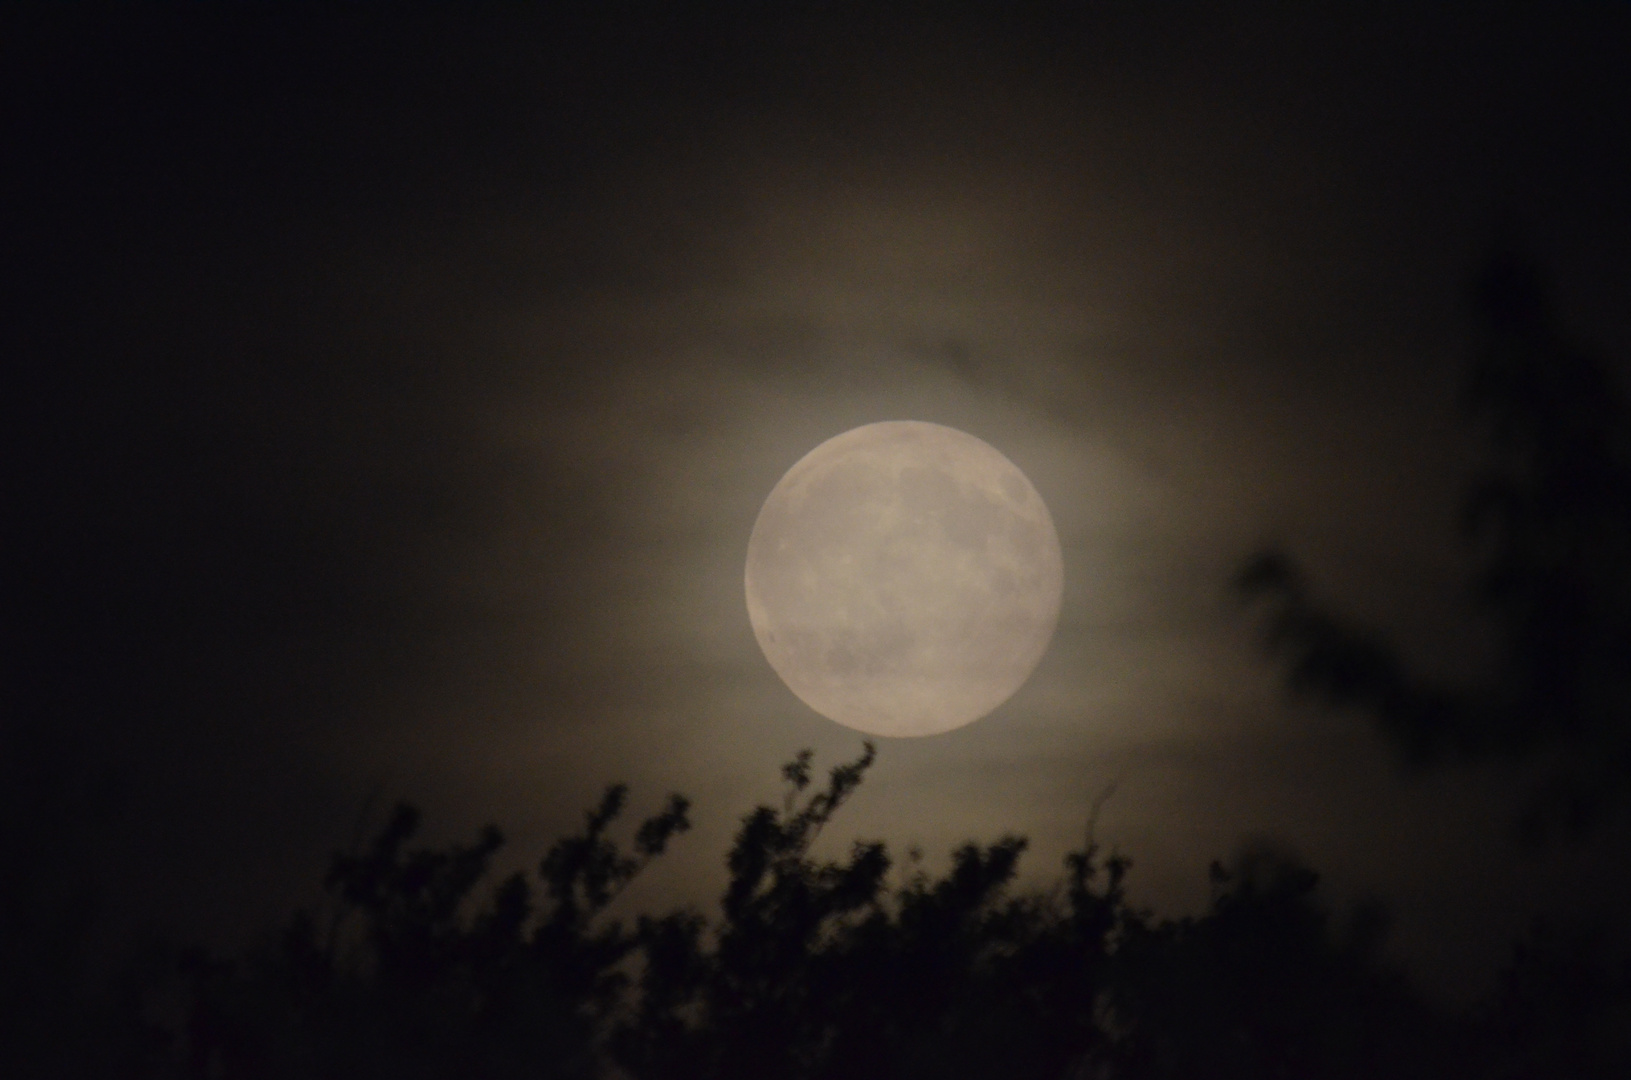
[{"x": 390, "y": 398}]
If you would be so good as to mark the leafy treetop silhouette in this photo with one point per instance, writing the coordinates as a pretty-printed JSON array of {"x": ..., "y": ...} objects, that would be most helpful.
[{"x": 829, "y": 968}]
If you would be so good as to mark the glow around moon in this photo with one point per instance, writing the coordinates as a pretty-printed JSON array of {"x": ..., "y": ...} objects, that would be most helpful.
[{"x": 904, "y": 578}]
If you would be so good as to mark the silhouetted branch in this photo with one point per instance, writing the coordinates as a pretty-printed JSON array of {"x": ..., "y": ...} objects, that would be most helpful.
[{"x": 1550, "y": 524}]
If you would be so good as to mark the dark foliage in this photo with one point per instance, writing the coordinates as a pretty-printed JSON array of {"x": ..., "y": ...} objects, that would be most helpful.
[
  {"x": 1262, "y": 986},
  {"x": 832, "y": 968},
  {"x": 402, "y": 979},
  {"x": 1548, "y": 523},
  {"x": 814, "y": 967},
  {"x": 818, "y": 969}
]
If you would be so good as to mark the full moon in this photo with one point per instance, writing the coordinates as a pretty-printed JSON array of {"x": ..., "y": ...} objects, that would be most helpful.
[{"x": 904, "y": 578}]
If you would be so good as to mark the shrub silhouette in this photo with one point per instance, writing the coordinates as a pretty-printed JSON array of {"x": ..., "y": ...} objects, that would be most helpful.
[
  {"x": 1261, "y": 986},
  {"x": 403, "y": 980},
  {"x": 813, "y": 968},
  {"x": 818, "y": 969},
  {"x": 419, "y": 966}
]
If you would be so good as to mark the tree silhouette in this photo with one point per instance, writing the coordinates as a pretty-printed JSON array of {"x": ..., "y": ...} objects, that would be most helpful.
[
  {"x": 1549, "y": 527},
  {"x": 824, "y": 968},
  {"x": 814, "y": 968},
  {"x": 1557, "y": 1010},
  {"x": 1261, "y": 985},
  {"x": 817, "y": 969},
  {"x": 402, "y": 979}
]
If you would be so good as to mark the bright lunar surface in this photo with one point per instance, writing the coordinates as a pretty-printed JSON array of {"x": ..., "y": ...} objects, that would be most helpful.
[{"x": 904, "y": 578}]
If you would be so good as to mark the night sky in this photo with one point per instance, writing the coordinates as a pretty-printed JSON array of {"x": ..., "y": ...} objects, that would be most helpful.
[{"x": 389, "y": 400}]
